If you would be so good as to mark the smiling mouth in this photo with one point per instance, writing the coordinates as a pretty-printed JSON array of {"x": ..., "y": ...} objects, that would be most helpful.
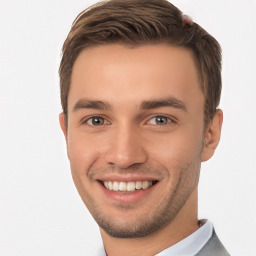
[{"x": 131, "y": 186}]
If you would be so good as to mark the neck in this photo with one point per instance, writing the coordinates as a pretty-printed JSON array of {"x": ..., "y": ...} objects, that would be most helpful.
[{"x": 184, "y": 224}]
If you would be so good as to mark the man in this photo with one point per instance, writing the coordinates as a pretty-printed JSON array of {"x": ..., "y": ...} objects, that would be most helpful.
[{"x": 140, "y": 86}]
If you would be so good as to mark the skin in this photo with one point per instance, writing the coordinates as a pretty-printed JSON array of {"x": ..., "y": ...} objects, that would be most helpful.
[{"x": 139, "y": 85}]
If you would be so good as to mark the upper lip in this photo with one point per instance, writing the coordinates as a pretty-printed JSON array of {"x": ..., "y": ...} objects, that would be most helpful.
[{"x": 127, "y": 178}]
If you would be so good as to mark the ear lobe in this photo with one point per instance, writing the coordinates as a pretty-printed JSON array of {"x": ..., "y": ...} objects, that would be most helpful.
[
  {"x": 62, "y": 121},
  {"x": 212, "y": 136}
]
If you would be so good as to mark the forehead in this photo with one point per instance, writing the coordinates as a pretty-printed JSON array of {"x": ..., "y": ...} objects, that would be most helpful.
[{"x": 120, "y": 73}]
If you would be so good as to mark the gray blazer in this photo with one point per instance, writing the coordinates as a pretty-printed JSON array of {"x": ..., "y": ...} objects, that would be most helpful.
[{"x": 213, "y": 247}]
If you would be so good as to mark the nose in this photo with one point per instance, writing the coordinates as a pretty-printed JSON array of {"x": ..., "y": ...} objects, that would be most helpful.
[{"x": 125, "y": 148}]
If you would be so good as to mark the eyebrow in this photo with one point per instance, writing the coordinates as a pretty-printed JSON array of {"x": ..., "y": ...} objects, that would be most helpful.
[
  {"x": 93, "y": 104},
  {"x": 167, "y": 102},
  {"x": 148, "y": 104}
]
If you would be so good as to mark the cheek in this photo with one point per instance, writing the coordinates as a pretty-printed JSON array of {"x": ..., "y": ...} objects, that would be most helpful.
[
  {"x": 81, "y": 153},
  {"x": 180, "y": 148},
  {"x": 81, "y": 156}
]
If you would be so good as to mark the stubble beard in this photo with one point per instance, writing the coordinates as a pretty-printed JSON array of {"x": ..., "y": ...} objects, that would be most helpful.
[{"x": 159, "y": 217}]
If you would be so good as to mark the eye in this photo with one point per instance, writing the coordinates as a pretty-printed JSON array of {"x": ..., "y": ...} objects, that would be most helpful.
[
  {"x": 159, "y": 120},
  {"x": 96, "y": 121}
]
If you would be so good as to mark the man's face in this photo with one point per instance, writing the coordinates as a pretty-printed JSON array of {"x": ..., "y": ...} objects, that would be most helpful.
[{"x": 135, "y": 135}]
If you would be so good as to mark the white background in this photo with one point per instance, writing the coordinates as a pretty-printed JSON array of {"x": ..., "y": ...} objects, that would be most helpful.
[{"x": 40, "y": 210}]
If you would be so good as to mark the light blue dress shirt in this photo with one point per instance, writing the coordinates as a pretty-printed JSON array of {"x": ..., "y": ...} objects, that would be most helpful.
[{"x": 189, "y": 246}]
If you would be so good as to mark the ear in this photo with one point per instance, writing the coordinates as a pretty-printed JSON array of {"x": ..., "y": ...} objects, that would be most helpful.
[
  {"x": 212, "y": 136},
  {"x": 63, "y": 124}
]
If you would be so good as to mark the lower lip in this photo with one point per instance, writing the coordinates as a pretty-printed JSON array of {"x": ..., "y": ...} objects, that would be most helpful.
[{"x": 126, "y": 197}]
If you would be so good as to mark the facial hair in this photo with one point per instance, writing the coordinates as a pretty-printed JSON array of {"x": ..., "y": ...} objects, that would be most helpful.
[{"x": 163, "y": 214}]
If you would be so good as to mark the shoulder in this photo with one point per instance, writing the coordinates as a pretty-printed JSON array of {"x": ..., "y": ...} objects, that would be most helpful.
[{"x": 213, "y": 247}]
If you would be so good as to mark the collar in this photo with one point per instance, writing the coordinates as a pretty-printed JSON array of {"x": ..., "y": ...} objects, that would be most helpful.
[
  {"x": 189, "y": 246},
  {"x": 193, "y": 243}
]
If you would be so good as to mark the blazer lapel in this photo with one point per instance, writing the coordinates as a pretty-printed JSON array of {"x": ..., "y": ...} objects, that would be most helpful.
[{"x": 213, "y": 247}]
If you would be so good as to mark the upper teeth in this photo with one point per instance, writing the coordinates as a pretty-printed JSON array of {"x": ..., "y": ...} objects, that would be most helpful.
[{"x": 127, "y": 186}]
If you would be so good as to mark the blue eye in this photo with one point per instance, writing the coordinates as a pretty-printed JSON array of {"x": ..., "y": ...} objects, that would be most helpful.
[{"x": 159, "y": 120}]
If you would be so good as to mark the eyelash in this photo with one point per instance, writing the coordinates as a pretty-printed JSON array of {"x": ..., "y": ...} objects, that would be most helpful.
[
  {"x": 168, "y": 120},
  {"x": 85, "y": 121}
]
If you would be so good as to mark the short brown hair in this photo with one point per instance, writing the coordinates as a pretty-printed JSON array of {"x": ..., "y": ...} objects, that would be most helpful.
[{"x": 142, "y": 22}]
